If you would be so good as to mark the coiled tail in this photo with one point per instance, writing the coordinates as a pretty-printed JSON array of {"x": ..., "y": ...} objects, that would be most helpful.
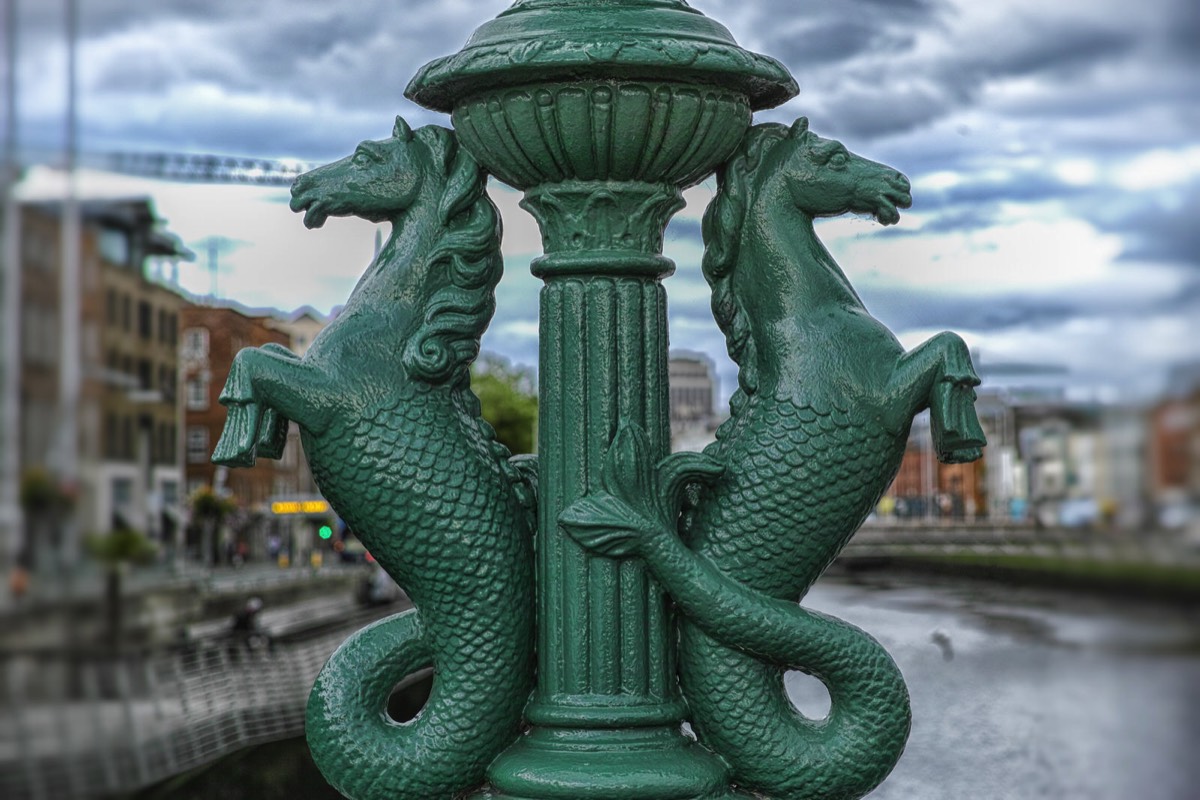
[
  {"x": 439, "y": 754},
  {"x": 739, "y": 709},
  {"x": 736, "y": 646},
  {"x": 738, "y": 642}
]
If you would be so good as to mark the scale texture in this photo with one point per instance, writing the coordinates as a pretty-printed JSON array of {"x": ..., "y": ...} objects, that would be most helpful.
[
  {"x": 396, "y": 445},
  {"x": 820, "y": 421}
]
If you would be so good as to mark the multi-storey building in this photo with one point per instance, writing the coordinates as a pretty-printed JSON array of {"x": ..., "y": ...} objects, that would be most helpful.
[
  {"x": 693, "y": 389},
  {"x": 128, "y": 422},
  {"x": 211, "y": 336},
  {"x": 301, "y": 327},
  {"x": 1174, "y": 450}
]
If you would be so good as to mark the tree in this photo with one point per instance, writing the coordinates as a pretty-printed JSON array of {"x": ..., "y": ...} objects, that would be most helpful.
[
  {"x": 45, "y": 504},
  {"x": 507, "y": 393},
  {"x": 116, "y": 551},
  {"x": 209, "y": 509}
]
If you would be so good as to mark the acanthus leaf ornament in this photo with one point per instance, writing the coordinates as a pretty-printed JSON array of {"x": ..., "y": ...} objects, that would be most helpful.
[{"x": 639, "y": 500}]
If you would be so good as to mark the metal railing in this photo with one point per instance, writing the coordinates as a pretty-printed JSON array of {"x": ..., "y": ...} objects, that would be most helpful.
[
  {"x": 134, "y": 719},
  {"x": 1115, "y": 545}
]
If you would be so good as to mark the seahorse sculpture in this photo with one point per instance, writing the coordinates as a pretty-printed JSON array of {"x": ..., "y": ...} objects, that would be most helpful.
[
  {"x": 820, "y": 421},
  {"x": 393, "y": 435}
]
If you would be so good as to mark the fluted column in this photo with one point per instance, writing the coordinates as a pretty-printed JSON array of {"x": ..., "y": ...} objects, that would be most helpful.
[
  {"x": 606, "y": 671},
  {"x": 603, "y": 630},
  {"x": 601, "y": 111}
]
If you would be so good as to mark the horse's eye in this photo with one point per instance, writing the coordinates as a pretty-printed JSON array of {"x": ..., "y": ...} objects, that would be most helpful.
[{"x": 839, "y": 160}]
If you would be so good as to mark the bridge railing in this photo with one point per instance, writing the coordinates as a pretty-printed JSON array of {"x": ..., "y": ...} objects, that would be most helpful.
[
  {"x": 1114, "y": 545},
  {"x": 90, "y": 725}
]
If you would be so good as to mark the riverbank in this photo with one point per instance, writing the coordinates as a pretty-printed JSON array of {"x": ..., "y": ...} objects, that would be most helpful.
[{"x": 1145, "y": 581}]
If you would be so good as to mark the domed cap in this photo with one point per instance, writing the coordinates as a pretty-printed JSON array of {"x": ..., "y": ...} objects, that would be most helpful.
[{"x": 540, "y": 40}]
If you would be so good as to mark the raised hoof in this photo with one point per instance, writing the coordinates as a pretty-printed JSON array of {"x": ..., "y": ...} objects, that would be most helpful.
[
  {"x": 957, "y": 435},
  {"x": 237, "y": 446},
  {"x": 963, "y": 455},
  {"x": 272, "y": 438}
]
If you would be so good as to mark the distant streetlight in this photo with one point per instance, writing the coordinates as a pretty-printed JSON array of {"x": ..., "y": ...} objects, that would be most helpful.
[{"x": 10, "y": 311}]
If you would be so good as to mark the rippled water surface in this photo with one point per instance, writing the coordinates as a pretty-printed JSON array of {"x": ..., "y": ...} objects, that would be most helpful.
[{"x": 1021, "y": 694}]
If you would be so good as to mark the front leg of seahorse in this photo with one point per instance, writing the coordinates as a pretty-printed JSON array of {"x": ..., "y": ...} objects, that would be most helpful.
[
  {"x": 267, "y": 387},
  {"x": 938, "y": 374},
  {"x": 841, "y": 758}
]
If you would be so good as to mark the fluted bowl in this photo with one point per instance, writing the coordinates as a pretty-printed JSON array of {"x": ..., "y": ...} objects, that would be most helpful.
[{"x": 653, "y": 132}]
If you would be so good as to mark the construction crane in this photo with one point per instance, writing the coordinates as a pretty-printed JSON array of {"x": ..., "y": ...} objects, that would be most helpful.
[
  {"x": 201, "y": 168},
  {"x": 181, "y": 167}
]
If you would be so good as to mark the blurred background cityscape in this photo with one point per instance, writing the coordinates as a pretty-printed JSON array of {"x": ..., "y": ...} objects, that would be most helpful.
[{"x": 161, "y": 615}]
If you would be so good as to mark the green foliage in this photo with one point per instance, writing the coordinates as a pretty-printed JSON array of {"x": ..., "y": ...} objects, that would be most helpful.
[
  {"x": 122, "y": 546},
  {"x": 508, "y": 396},
  {"x": 40, "y": 494},
  {"x": 207, "y": 503}
]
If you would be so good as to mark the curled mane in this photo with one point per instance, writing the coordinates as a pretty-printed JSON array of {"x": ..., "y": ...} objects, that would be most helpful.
[
  {"x": 455, "y": 316},
  {"x": 724, "y": 222},
  {"x": 446, "y": 343}
]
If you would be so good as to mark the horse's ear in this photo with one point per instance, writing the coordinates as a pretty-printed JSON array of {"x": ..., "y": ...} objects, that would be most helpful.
[
  {"x": 402, "y": 131},
  {"x": 800, "y": 127}
]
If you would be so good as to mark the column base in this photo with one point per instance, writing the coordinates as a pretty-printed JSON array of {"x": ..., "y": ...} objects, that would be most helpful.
[{"x": 621, "y": 764}]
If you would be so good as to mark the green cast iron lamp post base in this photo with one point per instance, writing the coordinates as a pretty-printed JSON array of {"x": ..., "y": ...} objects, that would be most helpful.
[
  {"x": 569, "y": 604},
  {"x": 601, "y": 112}
]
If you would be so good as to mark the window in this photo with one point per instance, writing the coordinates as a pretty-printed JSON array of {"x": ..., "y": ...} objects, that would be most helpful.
[
  {"x": 126, "y": 315},
  {"x": 197, "y": 444},
  {"x": 127, "y": 447},
  {"x": 197, "y": 393},
  {"x": 122, "y": 502},
  {"x": 163, "y": 444},
  {"x": 110, "y": 307},
  {"x": 113, "y": 245},
  {"x": 112, "y": 436},
  {"x": 145, "y": 320},
  {"x": 195, "y": 343},
  {"x": 170, "y": 493},
  {"x": 145, "y": 375}
]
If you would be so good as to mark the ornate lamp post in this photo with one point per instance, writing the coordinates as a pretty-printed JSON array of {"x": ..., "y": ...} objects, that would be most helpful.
[
  {"x": 565, "y": 640},
  {"x": 602, "y": 113}
]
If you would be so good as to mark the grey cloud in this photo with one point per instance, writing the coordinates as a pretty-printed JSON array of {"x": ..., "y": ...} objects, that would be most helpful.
[
  {"x": 953, "y": 220},
  {"x": 1158, "y": 231},
  {"x": 835, "y": 41},
  {"x": 1046, "y": 50},
  {"x": 903, "y": 310}
]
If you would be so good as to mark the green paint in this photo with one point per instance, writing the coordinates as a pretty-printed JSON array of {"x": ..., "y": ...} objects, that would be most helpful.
[
  {"x": 396, "y": 444},
  {"x": 821, "y": 418},
  {"x": 602, "y": 111}
]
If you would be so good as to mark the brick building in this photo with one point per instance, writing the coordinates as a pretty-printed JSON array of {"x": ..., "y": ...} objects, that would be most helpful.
[
  {"x": 129, "y": 417},
  {"x": 1174, "y": 450},
  {"x": 210, "y": 338},
  {"x": 693, "y": 391}
]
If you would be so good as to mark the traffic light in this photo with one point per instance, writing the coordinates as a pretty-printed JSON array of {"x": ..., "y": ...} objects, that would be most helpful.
[{"x": 325, "y": 532}]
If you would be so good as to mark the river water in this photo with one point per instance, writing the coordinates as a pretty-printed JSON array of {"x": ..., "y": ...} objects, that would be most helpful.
[{"x": 1021, "y": 694}]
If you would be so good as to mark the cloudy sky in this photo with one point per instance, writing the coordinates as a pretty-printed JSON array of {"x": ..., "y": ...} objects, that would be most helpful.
[{"x": 1054, "y": 148}]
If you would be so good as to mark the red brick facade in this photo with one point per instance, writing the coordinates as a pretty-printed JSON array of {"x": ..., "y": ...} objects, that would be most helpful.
[{"x": 210, "y": 338}]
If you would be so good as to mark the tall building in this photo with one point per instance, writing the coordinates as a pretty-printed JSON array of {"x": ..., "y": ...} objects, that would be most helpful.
[
  {"x": 129, "y": 418},
  {"x": 211, "y": 338},
  {"x": 1174, "y": 450},
  {"x": 693, "y": 390},
  {"x": 301, "y": 327}
]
